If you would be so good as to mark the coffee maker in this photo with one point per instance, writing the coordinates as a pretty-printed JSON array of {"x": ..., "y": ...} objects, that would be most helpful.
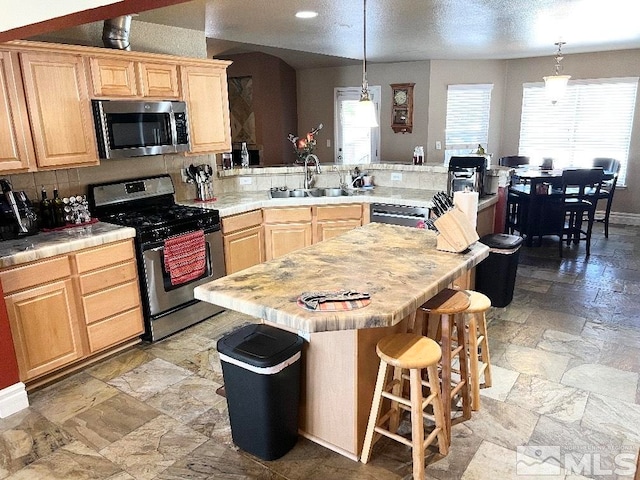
[{"x": 17, "y": 216}]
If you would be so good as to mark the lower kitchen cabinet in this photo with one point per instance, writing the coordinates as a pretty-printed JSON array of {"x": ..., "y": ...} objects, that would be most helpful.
[
  {"x": 286, "y": 230},
  {"x": 331, "y": 221},
  {"x": 65, "y": 309},
  {"x": 104, "y": 274},
  {"x": 243, "y": 240},
  {"x": 43, "y": 316}
]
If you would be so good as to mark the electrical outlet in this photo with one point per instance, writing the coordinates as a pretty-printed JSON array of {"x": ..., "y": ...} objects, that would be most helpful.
[
  {"x": 328, "y": 143},
  {"x": 245, "y": 181},
  {"x": 438, "y": 145},
  {"x": 396, "y": 177}
]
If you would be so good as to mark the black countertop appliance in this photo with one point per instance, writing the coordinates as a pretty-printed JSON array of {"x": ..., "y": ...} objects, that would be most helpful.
[{"x": 17, "y": 216}]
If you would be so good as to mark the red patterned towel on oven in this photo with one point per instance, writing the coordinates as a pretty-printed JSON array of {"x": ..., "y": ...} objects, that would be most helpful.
[{"x": 185, "y": 257}]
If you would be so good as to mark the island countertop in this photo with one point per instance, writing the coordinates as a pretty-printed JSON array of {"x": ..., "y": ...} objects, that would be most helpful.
[{"x": 398, "y": 266}]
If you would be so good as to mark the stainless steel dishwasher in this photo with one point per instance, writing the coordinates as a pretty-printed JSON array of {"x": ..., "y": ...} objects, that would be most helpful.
[{"x": 407, "y": 216}]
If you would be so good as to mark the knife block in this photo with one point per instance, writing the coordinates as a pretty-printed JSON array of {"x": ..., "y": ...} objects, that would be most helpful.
[{"x": 456, "y": 231}]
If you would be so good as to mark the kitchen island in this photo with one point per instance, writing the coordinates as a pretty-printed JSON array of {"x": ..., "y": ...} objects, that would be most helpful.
[{"x": 398, "y": 266}]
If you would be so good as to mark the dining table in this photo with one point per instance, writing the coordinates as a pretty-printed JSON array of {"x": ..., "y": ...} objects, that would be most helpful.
[
  {"x": 398, "y": 267},
  {"x": 539, "y": 191}
]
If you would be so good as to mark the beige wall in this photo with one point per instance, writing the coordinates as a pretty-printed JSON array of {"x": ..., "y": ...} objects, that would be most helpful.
[
  {"x": 624, "y": 63},
  {"x": 315, "y": 104},
  {"x": 144, "y": 37},
  {"x": 448, "y": 72}
]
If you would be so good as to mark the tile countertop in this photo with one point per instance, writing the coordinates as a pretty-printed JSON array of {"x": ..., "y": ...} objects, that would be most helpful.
[
  {"x": 400, "y": 267},
  {"x": 240, "y": 202},
  {"x": 50, "y": 244}
]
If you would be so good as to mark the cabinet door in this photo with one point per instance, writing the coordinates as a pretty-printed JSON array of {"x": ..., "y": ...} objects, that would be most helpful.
[
  {"x": 113, "y": 77},
  {"x": 243, "y": 249},
  {"x": 159, "y": 80},
  {"x": 329, "y": 229},
  {"x": 205, "y": 91},
  {"x": 282, "y": 239},
  {"x": 45, "y": 328},
  {"x": 16, "y": 146},
  {"x": 59, "y": 109}
]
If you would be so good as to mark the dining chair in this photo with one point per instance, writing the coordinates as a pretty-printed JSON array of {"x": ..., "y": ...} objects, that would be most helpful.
[
  {"x": 516, "y": 208},
  {"x": 513, "y": 161},
  {"x": 580, "y": 195},
  {"x": 611, "y": 166}
]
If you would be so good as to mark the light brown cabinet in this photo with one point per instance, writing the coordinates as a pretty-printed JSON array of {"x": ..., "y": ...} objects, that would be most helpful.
[
  {"x": 16, "y": 145},
  {"x": 204, "y": 89},
  {"x": 286, "y": 230},
  {"x": 65, "y": 309},
  {"x": 104, "y": 274},
  {"x": 127, "y": 78},
  {"x": 59, "y": 109},
  {"x": 253, "y": 237},
  {"x": 43, "y": 316},
  {"x": 243, "y": 240},
  {"x": 333, "y": 220}
]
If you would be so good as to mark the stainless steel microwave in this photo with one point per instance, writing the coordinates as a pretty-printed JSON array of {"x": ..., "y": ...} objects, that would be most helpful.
[{"x": 134, "y": 128}]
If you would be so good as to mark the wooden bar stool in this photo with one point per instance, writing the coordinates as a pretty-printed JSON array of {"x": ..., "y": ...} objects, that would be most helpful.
[
  {"x": 449, "y": 305},
  {"x": 479, "y": 357},
  {"x": 407, "y": 351}
]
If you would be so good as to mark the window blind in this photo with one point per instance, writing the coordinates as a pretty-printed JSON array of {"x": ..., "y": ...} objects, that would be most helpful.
[
  {"x": 593, "y": 119},
  {"x": 467, "y": 124}
]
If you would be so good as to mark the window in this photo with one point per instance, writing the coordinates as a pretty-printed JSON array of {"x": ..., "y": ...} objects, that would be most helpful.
[
  {"x": 593, "y": 119},
  {"x": 468, "y": 108},
  {"x": 355, "y": 144}
]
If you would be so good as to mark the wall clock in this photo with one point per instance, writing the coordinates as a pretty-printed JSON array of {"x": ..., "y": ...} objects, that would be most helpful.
[{"x": 402, "y": 107}]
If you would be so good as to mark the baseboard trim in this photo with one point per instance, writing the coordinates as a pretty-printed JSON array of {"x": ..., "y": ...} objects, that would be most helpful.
[
  {"x": 13, "y": 399},
  {"x": 619, "y": 218}
]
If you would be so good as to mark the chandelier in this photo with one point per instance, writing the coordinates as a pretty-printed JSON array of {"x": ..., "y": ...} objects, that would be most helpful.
[{"x": 556, "y": 84}]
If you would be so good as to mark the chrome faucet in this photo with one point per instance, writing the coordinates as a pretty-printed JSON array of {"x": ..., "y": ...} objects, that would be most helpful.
[
  {"x": 308, "y": 174},
  {"x": 342, "y": 184}
]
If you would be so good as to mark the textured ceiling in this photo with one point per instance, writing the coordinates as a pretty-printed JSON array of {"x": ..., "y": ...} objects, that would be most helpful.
[{"x": 407, "y": 30}]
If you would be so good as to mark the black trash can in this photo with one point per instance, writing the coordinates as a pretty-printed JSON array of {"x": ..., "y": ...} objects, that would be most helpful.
[
  {"x": 261, "y": 369},
  {"x": 496, "y": 275}
]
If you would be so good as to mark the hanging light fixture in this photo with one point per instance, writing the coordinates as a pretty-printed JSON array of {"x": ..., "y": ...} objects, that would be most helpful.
[
  {"x": 556, "y": 84},
  {"x": 365, "y": 109}
]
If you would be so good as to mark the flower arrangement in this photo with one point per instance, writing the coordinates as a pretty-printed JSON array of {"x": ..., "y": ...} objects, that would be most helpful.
[{"x": 304, "y": 146}]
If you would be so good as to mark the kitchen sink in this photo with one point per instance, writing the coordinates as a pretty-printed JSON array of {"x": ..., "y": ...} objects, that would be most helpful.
[{"x": 309, "y": 192}]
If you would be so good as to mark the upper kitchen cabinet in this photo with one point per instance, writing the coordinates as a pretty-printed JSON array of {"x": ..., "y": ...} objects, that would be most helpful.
[
  {"x": 59, "y": 109},
  {"x": 16, "y": 146},
  {"x": 204, "y": 89},
  {"x": 127, "y": 78}
]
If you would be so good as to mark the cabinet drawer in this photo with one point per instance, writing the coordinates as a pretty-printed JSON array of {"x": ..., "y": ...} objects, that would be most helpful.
[
  {"x": 111, "y": 301},
  {"x": 242, "y": 221},
  {"x": 102, "y": 256},
  {"x": 115, "y": 329},
  {"x": 339, "y": 212},
  {"x": 35, "y": 274},
  {"x": 107, "y": 277},
  {"x": 285, "y": 215}
]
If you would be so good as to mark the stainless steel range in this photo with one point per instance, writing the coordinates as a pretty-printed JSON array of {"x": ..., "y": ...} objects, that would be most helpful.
[{"x": 177, "y": 249}]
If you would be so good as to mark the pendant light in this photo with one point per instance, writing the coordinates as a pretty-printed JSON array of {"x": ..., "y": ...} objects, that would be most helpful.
[
  {"x": 365, "y": 109},
  {"x": 556, "y": 84}
]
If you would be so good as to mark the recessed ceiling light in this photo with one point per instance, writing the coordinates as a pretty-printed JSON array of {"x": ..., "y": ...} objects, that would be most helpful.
[{"x": 306, "y": 14}]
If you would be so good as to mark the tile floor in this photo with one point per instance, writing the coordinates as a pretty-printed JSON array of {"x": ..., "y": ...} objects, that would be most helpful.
[{"x": 566, "y": 362}]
